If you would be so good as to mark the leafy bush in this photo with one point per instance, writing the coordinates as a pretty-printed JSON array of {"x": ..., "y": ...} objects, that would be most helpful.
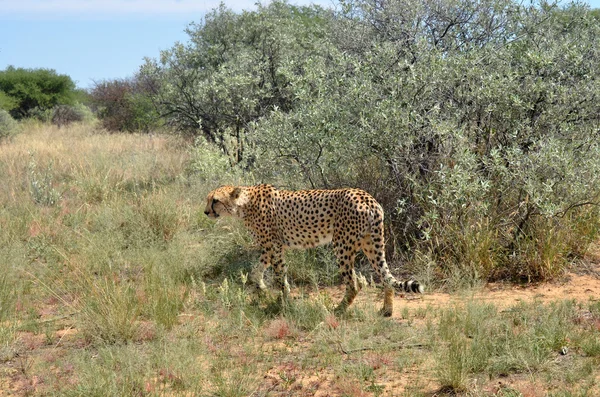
[
  {"x": 123, "y": 105},
  {"x": 6, "y": 102},
  {"x": 480, "y": 146},
  {"x": 473, "y": 123},
  {"x": 34, "y": 88},
  {"x": 209, "y": 164},
  {"x": 237, "y": 69},
  {"x": 8, "y": 125},
  {"x": 65, "y": 114}
]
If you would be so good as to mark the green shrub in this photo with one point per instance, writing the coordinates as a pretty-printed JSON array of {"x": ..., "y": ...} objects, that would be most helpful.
[
  {"x": 124, "y": 105},
  {"x": 8, "y": 126},
  {"x": 35, "y": 88},
  {"x": 469, "y": 143},
  {"x": 40, "y": 114},
  {"x": 41, "y": 185},
  {"x": 66, "y": 114},
  {"x": 210, "y": 165},
  {"x": 478, "y": 138}
]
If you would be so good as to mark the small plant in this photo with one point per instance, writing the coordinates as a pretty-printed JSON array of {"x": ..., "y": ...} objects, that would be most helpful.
[
  {"x": 237, "y": 381},
  {"x": 305, "y": 314},
  {"x": 8, "y": 126},
  {"x": 40, "y": 184},
  {"x": 454, "y": 364},
  {"x": 467, "y": 337},
  {"x": 231, "y": 295},
  {"x": 591, "y": 345},
  {"x": 278, "y": 329}
]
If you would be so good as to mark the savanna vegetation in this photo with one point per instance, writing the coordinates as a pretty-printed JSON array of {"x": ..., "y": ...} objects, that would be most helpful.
[
  {"x": 39, "y": 94},
  {"x": 114, "y": 283},
  {"x": 474, "y": 123}
]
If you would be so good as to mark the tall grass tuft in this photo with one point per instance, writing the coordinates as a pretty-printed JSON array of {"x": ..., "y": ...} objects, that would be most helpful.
[
  {"x": 109, "y": 310},
  {"x": 159, "y": 216},
  {"x": 477, "y": 339},
  {"x": 465, "y": 344},
  {"x": 164, "y": 298},
  {"x": 8, "y": 321}
]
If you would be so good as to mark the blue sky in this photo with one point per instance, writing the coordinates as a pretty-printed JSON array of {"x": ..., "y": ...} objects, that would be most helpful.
[{"x": 92, "y": 40}]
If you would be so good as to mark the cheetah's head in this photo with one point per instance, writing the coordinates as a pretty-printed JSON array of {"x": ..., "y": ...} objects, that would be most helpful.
[{"x": 225, "y": 200}]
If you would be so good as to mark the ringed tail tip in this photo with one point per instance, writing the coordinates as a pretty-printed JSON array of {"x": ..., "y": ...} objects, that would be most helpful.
[{"x": 414, "y": 286}]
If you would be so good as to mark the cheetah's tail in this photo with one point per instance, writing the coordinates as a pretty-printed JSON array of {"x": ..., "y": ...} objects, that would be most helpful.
[{"x": 410, "y": 286}]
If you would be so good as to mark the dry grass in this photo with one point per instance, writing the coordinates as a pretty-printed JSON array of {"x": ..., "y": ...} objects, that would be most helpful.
[{"x": 114, "y": 283}]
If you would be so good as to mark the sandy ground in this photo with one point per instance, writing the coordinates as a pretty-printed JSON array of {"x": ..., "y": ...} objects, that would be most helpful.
[{"x": 581, "y": 288}]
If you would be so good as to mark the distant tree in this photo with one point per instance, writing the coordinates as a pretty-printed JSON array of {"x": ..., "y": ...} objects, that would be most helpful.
[
  {"x": 29, "y": 89},
  {"x": 83, "y": 97},
  {"x": 7, "y": 103},
  {"x": 123, "y": 105}
]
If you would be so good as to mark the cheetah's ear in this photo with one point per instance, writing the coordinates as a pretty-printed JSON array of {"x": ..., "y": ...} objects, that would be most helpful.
[
  {"x": 239, "y": 196},
  {"x": 236, "y": 192}
]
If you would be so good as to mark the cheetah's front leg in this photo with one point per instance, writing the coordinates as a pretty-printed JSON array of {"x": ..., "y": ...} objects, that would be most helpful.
[
  {"x": 258, "y": 272},
  {"x": 280, "y": 270},
  {"x": 271, "y": 256}
]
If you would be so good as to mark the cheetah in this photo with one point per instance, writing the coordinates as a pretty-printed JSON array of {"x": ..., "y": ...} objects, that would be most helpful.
[{"x": 350, "y": 219}]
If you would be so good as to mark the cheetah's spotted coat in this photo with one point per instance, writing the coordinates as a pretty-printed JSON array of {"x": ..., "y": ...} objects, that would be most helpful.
[{"x": 351, "y": 219}]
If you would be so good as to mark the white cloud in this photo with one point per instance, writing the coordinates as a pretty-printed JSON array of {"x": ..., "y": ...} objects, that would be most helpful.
[{"x": 112, "y": 7}]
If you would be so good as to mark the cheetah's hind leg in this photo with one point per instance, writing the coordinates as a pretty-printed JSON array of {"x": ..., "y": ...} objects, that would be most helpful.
[
  {"x": 354, "y": 284},
  {"x": 388, "y": 302},
  {"x": 410, "y": 286}
]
